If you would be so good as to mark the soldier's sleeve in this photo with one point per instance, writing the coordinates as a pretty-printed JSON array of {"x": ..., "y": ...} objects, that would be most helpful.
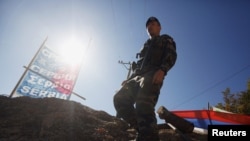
[{"x": 169, "y": 55}]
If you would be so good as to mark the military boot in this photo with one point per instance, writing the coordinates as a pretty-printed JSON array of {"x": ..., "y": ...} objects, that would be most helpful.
[
  {"x": 141, "y": 137},
  {"x": 148, "y": 133}
]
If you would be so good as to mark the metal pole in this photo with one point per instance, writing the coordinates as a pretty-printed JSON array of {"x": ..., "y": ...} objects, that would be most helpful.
[
  {"x": 12, "y": 93},
  {"x": 82, "y": 59}
]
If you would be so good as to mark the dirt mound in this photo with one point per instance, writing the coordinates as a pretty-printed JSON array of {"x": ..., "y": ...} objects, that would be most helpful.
[{"x": 51, "y": 119}]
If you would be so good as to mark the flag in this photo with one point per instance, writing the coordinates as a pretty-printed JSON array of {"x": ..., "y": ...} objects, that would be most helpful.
[
  {"x": 203, "y": 118},
  {"x": 47, "y": 76},
  {"x": 220, "y": 110}
]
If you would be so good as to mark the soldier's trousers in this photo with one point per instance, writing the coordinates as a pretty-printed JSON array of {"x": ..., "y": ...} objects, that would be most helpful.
[{"x": 135, "y": 103}]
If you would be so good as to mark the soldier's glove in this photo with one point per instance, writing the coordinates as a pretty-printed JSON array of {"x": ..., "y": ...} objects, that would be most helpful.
[{"x": 134, "y": 66}]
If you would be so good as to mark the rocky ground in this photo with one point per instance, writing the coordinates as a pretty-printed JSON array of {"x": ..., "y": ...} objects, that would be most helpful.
[{"x": 51, "y": 119}]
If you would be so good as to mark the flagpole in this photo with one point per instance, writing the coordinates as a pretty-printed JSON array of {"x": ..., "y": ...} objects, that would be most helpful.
[
  {"x": 82, "y": 59},
  {"x": 26, "y": 70}
]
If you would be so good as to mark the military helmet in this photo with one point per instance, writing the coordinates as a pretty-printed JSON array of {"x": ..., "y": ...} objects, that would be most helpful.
[{"x": 150, "y": 19}]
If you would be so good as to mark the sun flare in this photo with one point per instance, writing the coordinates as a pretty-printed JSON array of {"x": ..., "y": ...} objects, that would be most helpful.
[{"x": 72, "y": 51}]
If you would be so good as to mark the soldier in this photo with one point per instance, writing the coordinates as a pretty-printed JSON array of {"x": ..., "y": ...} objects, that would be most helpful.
[{"x": 135, "y": 101}]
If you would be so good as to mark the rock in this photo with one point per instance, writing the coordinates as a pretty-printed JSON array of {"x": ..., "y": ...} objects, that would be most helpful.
[{"x": 52, "y": 119}]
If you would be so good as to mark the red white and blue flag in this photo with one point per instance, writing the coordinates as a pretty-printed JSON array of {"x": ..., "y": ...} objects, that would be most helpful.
[
  {"x": 48, "y": 76},
  {"x": 203, "y": 118}
]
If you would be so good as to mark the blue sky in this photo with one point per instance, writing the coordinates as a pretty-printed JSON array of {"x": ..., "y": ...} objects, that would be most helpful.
[{"x": 212, "y": 37}]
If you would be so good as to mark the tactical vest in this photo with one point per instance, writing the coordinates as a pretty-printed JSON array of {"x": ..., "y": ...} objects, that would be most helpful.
[{"x": 153, "y": 53}]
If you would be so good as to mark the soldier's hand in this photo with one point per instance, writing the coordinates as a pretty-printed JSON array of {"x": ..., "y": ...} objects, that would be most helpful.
[
  {"x": 158, "y": 77},
  {"x": 133, "y": 66}
]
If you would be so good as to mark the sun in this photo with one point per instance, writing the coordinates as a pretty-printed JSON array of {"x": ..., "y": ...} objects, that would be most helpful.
[{"x": 71, "y": 51}]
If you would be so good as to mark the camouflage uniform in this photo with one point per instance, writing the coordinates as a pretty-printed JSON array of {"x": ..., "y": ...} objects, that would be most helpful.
[{"x": 135, "y": 101}]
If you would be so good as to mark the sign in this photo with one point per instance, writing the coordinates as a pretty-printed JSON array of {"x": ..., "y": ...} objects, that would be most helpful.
[{"x": 48, "y": 76}]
